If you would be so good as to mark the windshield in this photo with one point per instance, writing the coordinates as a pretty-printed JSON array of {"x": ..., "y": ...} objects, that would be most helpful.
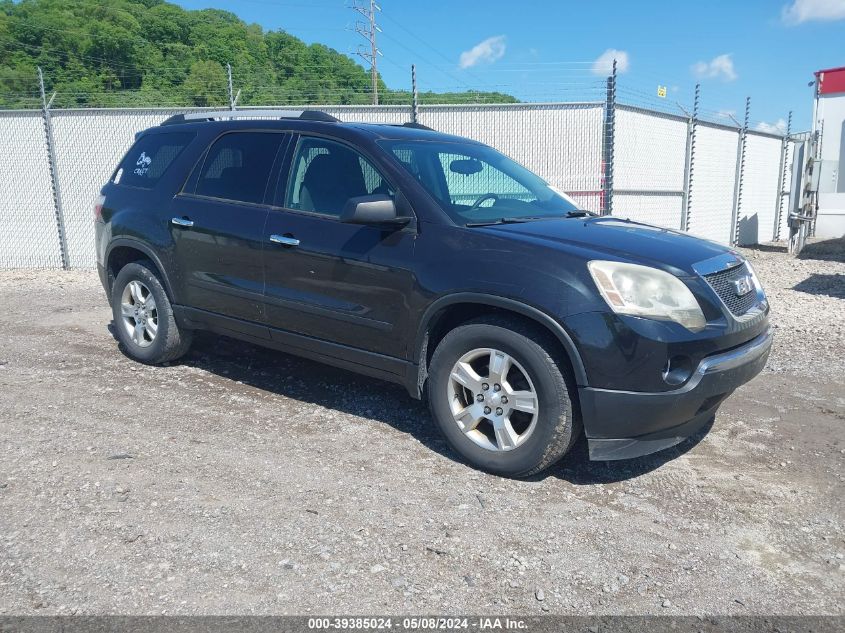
[{"x": 475, "y": 184}]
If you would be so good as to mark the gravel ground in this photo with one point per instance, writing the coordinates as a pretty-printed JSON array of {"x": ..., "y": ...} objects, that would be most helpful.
[{"x": 247, "y": 481}]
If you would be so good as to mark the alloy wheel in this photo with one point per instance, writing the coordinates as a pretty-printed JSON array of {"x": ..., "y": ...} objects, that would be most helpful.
[
  {"x": 492, "y": 399},
  {"x": 139, "y": 313}
]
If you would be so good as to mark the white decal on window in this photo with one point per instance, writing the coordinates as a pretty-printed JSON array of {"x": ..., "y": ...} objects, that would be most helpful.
[{"x": 143, "y": 163}]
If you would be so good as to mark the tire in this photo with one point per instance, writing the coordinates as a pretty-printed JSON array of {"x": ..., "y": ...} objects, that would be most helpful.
[
  {"x": 134, "y": 285},
  {"x": 528, "y": 447}
]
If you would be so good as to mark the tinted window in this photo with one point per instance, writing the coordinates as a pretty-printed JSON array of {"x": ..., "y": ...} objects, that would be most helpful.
[
  {"x": 475, "y": 183},
  {"x": 468, "y": 178},
  {"x": 237, "y": 166},
  {"x": 150, "y": 157},
  {"x": 326, "y": 174}
]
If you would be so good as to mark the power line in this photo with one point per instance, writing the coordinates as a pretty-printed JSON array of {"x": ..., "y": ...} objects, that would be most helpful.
[{"x": 429, "y": 46}]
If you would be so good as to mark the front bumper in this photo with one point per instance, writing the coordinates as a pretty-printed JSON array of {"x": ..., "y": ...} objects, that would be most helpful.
[{"x": 626, "y": 424}]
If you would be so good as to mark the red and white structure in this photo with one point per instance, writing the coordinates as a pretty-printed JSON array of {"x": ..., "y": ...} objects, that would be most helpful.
[{"x": 829, "y": 122}]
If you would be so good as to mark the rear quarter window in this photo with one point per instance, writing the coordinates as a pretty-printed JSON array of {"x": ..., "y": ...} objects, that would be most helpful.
[{"x": 149, "y": 158}]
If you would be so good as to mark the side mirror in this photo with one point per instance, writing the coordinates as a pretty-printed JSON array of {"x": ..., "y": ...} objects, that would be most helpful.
[{"x": 373, "y": 209}]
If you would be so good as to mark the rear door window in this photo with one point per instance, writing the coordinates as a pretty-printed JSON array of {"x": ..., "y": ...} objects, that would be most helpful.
[
  {"x": 150, "y": 157},
  {"x": 238, "y": 165}
]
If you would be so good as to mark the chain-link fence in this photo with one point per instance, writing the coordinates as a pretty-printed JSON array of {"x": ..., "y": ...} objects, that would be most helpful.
[
  {"x": 29, "y": 235},
  {"x": 649, "y": 166},
  {"x": 664, "y": 169}
]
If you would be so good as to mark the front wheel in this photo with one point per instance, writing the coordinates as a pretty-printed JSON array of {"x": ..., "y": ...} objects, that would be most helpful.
[
  {"x": 143, "y": 316},
  {"x": 500, "y": 393}
]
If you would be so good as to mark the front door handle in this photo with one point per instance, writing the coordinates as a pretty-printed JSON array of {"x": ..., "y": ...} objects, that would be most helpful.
[
  {"x": 182, "y": 222},
  {"x": 284, "y": 240}
]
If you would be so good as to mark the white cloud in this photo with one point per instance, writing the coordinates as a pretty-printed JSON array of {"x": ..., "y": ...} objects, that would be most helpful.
[
  {"x": 721, "y": 67},
  {"x": 779, "y": 127},
  {"x": 488, "y": 51},
  {"x": 813, "y": 10},
  {"x": 604, "y": 63}
]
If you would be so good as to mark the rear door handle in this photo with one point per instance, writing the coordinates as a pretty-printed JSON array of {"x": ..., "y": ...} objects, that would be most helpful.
[
  {"x": 284, "y": 240},
  {"x": 182, "y": 222}
]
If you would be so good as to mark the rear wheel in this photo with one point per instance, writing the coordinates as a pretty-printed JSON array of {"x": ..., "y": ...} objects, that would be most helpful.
[
  {"x": 501, "y": 395},
  {"x": 143, "y": 316}
]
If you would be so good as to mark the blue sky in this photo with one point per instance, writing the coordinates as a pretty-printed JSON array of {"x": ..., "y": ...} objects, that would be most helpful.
[{"x": 552, "y": 50}]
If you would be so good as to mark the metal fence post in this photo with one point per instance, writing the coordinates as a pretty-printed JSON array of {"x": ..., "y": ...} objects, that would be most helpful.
[
  {"x": 609, "y": 130},
  {"x": 54, "y": 174},
  {"x": 784, "y": 154},
  {"x": 740, "y": 172},
  {"x": 414, "y": 104},
  {"x": 233, "y": 97},
  {"x": 689, "y": 164}
]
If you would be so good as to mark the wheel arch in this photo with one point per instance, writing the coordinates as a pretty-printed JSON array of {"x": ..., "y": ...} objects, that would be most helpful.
[
  {"x": 123, "y": 251},
  {"x": 450, "y": 311}
]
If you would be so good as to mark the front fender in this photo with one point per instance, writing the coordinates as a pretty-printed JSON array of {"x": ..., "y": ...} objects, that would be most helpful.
[{"x": 506, "y": 303}]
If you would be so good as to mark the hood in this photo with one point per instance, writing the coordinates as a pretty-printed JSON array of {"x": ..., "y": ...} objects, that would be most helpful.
[{"x": 624, "y": 240}]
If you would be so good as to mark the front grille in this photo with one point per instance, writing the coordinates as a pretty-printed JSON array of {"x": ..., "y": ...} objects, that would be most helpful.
[{"x": 722, "y": 283}]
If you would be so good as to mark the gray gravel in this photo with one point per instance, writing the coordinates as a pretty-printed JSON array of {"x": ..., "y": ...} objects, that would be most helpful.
[
  {"x": 248, "y": 481},
  {"x": 808, "y": 306}
]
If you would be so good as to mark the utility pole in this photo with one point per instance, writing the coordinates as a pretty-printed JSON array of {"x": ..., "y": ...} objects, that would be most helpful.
[{"x": 368, "y": 31}]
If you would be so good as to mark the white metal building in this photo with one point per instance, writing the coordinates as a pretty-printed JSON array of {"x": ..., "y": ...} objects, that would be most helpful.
[{"x": 829, "y": 121}]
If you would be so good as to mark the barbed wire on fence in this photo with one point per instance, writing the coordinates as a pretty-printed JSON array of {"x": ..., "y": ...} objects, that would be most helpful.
[{"x": 605, "y": 143}]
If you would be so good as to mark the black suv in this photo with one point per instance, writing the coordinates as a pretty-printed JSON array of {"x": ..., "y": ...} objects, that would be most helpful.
[{"x": 435, "y": 262}]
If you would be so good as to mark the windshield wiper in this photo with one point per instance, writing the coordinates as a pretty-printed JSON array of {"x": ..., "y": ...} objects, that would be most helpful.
[
  {"x": 501, "y": 221},
  {"x": 578, "y": 213}
]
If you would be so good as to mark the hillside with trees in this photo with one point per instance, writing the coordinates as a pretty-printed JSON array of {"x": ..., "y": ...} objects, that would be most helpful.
[{"x": 154, "y": 53}]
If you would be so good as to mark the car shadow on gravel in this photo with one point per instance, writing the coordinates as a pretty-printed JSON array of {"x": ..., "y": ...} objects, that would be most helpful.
[
  {"x": 315, "y": 383},
  {"x": 301, "y": 379}
]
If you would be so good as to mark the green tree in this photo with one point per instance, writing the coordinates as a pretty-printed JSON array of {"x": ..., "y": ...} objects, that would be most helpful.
[
  {"x": 151, "y": 52},
  {"x": 206, "y": 84}
]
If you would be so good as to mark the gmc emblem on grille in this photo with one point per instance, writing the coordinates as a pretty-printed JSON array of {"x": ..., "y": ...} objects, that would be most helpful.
[{"x": 743, "y": 285}]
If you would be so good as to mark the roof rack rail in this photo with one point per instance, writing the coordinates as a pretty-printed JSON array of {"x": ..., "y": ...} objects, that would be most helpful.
[
  {"x": 303, "y": 115},
  {"x": 418, "y": 126}
]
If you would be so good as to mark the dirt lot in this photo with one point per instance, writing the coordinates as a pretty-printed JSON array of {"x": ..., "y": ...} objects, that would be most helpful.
[{"x": 247, "y": 481}]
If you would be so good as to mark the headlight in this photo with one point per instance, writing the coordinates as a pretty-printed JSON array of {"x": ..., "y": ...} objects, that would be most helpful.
[
  {"x": 754, "y": 277},
  {"x": 647, "y": 292}
]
